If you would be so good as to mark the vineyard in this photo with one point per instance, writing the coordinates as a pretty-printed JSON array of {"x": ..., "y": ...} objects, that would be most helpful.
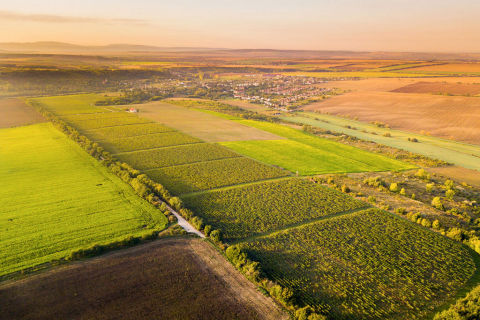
[
  {"x": 365, "y": 265},
  {"x": 213, "y": 174},
  {"x": 263, "y": 207},
  {"x": 108, "y": 122},
  {"x": 172, "y": 156},
  {"x": 111, "y": 133},
  {"x": 72, "y": 104},
  {"x": 154, "y": 140}
]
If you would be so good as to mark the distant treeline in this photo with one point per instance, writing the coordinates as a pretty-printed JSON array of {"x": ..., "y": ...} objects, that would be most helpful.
[{"x": 48, "y": 82}]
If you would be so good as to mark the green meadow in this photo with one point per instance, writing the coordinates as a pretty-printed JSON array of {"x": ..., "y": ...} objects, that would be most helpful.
[
  {"x": 310, "y": 155},
  {"x": 55, "y": 199}
]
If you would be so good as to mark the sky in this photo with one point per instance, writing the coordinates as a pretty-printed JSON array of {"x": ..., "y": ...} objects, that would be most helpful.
[{"x": 358, "y": 25}]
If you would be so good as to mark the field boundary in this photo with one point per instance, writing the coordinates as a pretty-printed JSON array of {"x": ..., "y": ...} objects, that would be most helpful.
[{"x": 299, "y": 224}]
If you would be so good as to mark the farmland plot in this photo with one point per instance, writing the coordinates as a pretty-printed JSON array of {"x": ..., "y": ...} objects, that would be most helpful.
[
  {"x": 55, "y": 199},
  {"x": 366, "y": 265},
  {"x": 264, "y": 207},
  {"x": 213, "y": 174}
]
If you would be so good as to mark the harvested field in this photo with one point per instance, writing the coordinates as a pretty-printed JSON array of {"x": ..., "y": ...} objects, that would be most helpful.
[
  {"x": 14, "y": 112},
  {"x": 450, "y": 67},
  {"x": 410, "y": 112},
  {"x": 200, "y": 124},
  {"x": 166, "y": 279},
  {"x": 441, "y": 88}
]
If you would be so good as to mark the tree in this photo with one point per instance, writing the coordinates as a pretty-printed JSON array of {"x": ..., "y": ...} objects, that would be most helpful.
[
  {"x": 449, "y": 194},
  {"x": 215, "y": 235},
  {"x": 436, "y": 224}
]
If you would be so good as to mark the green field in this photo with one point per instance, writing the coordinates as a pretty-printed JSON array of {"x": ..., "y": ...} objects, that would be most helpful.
[
  {"x": 462, "y": 154},
  {"x": 72, "y": 104},
  {"x": 366, "y": 265},
  {"x": 213, "y": 174},
  {"x": 310, "y": 155},
  {"x": 55, "y": 199},
  {"x": 267, "y": 206}
]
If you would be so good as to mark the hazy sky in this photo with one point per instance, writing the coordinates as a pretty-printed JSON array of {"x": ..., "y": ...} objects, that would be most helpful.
[{"x": 393, "y": 25}]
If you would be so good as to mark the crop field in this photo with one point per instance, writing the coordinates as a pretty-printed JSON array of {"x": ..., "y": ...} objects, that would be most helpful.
[
  {"x": 14, "y": 112},
  {"x": 202, "y": 125},
  {"x": 166, "y": 279},
  {"x": 133, "y": 130},
  {"x": 177, "y": 155},
  {"x": 72, "y": 104},
  {"x": 108, "y": 122},
  {"x": 410, "y": 112},
  {"x": 213, "y": 174},
  {"x": 441, "y": 88},
  {"x": 267, "y": 206},
  {"x": 150, "y": 141},
  {"x": 55, "y": 199},
  {"x": 366, "y": 265},
  {"x": 308, "y": 154}
]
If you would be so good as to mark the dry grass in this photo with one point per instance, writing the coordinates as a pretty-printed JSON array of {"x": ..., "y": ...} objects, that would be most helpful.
[
  {"x": 451, "y": 67},
  {"x": 166, "y": 279},
  {"x": 201, "y": 125},
  {"x": 14, "y": 112},
  {"x": 472, "y": 177}
]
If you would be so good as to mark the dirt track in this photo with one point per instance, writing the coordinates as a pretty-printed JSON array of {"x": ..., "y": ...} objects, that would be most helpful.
[{"x": 166, "y": 279}]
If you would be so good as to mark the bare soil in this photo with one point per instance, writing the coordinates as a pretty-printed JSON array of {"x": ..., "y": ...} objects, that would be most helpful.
[
  {"x": 441, "y": 88},
  {"x": 450, "y": 117},
  {"x": 14, "y": 112},
  {"x": 176, "y": 278},
  {"x": 202, "y": 125}
]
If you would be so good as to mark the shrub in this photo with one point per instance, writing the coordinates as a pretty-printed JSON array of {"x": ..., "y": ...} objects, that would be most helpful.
[
  {"x": 437, "y": 203},
  {"x": 394, "y": 187},
  {"x": 216, "y": 235},
  {"x": 207, "y": 230},
  {"x": 449, "y": 194},
  {"x": 436, "y": 224},
  {"x": 429, "y": 187},
  {"x": 345, "y": 189},
  {"x": 402, "y": 192}
]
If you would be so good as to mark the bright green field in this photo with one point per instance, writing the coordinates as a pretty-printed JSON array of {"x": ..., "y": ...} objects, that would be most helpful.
[
  {"x": 72, "y": 104},
  {"x": 462, "y": 154},
  {"x": 55, "y": 198},
  {"x": 308, "y": 154}
]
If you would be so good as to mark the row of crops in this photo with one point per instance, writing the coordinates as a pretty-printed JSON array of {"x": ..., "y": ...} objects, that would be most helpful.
[
  {"x": 365, "y": 265},
  {"x": 213, "y": 174},
  {"x": 258, "y": 208}
]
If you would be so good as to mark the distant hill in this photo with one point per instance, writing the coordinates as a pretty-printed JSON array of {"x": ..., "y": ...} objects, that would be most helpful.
[
  {"x": 51, "y": 47},
  {"x": 61, "y": 47}
]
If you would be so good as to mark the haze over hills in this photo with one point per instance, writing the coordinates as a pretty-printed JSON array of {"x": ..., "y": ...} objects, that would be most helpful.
[{"x": 52, "y": 47}]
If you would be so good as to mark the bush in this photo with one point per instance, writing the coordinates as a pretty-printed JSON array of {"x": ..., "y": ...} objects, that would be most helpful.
[
  {"x": 437, "y": 203},
  {"x": 436, "y": 225},
  {"x": 449, "y": 194},
  {"x": 402, "y": 192},
  {"x": 216, "y": 235},
  {"x": 345, "y": 189},
  {"x": 207, "y": 230},
  {"x": 429, "y": 187},
  {"x": 394, "y": 187}
]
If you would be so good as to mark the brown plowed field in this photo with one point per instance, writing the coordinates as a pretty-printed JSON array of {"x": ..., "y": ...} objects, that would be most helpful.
[
  {"x": 456, "y": 118},
  {"x": 14, "y": 112},
  {"x": 441, "y": 87},
  {"x": 166, "y": 279}
]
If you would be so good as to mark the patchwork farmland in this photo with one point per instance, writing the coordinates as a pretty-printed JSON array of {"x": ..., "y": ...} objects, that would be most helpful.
[{"x": 245, "y": 190}]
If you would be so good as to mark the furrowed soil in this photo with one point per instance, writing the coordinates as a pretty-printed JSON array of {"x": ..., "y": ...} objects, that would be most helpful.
[
  {"x": 167, "y": 279},
  {"x": 441, "y": 88},
  {"x": 450, "y": 117},
  {"x": 14, "y": 112}
]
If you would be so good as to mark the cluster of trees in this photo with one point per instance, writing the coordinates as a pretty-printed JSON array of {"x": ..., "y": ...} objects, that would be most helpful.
[
  {"x": 31, "y": 81},
  {"x": 465, "y": 308},
  {"x": 135, "y": 96}
]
